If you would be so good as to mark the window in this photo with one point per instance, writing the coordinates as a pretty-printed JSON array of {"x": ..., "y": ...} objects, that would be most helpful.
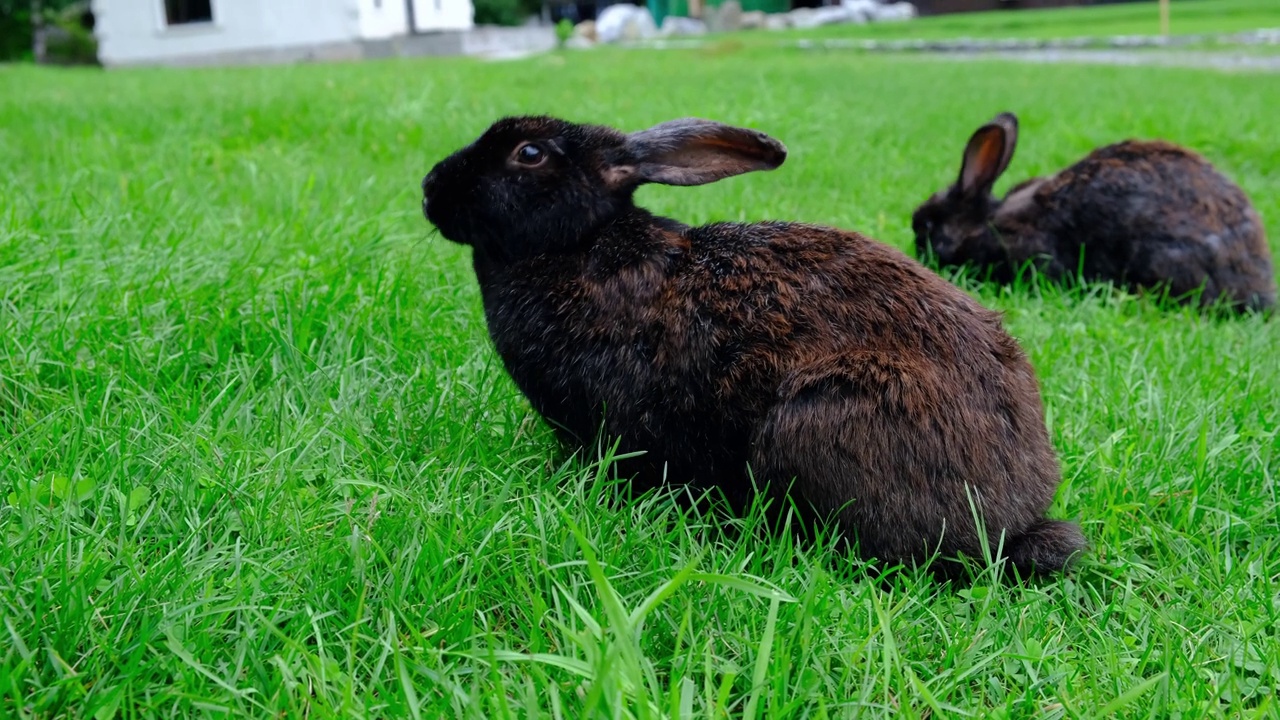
[{"x": 182, "y": 12}]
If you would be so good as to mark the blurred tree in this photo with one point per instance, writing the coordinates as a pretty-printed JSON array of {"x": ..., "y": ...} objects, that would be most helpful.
[
  {"x": 17, "y": 40},
  {"x": 505, "y": 12},
  {"x": 498, "y": 12}
]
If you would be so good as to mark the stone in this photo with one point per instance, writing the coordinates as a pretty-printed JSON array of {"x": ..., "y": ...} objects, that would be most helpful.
[
  {"x": 672, "y": 25},
  {"x": 752, "y": 20},
  {"x": 894, "y": 12},
  {"x": 800, "y": 18},
  {"x": 776, "y": 21},
  {"x": 725, "y": 18},
  {"x": 625, "y": 23},
  {"x": 862, "y": 10},
  {"x": 816, "y": 17},
  {"x": 639, "y": 27}
]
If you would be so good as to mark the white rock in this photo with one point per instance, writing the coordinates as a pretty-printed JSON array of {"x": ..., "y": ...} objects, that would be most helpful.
[
  {"x": 625, "y": 22},
  {"x": 672, "y": 25},
  {"x": 752, "y": 20},
  {"x": 866, "y": 8},
  {"x": 777, "y": 21},
  {"x": 892, "y": 12},
  {"x": 725, "y": 18},
  {"x": 801, "y": 18},
  {"x": 815, "y": 17}
]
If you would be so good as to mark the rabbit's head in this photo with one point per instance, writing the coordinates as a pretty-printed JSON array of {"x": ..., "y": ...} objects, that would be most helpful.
[
  {"x": 534, "y": 185},
  {"x": 953, "y": 225}
]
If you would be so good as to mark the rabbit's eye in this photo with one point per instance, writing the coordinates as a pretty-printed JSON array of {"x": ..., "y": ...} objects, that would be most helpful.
[{"x": 530, "y": 154}]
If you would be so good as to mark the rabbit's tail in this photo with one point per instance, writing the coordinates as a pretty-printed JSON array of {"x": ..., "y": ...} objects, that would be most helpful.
[{"x": 1046, "y": 546}]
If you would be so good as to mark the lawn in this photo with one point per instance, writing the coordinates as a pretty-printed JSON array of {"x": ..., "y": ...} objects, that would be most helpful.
[
  {"x": 1186, "y": 17},
  {"x": 258, "y": 458}
]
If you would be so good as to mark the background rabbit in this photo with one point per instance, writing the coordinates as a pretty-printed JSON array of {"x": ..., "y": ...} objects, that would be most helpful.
[
  {"x": 1138, "y": 214},
  {"x": 809, "y": 353}
]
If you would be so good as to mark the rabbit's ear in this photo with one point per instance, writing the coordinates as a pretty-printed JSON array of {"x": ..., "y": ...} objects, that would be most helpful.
[
  {"x": 694, "y": 152},
  {"x": 988, "y": 154}
]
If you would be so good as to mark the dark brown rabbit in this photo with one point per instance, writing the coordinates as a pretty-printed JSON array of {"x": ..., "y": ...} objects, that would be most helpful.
[
  {"x": 829, "y": 364},
  {"x": 1142, "y": 215}
]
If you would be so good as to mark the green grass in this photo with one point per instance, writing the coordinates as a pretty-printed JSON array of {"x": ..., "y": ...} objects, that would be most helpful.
[
  {"x": 257, "y": 456},
  {"x": 1186, "y": 17}
]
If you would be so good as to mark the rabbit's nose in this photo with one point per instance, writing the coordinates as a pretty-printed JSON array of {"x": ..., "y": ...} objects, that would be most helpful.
[{"x": 428, "y": 182}]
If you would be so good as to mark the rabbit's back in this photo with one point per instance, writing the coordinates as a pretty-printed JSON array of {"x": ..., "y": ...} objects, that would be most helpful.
[
  {"x": 682, "y": 339},
  {"x": 789, "y": 292},
  {"x": 943, "y": 395},
  {"x": 1145, "y": 214}
]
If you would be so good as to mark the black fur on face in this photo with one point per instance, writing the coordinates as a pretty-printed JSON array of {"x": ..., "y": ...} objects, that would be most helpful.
[
  {"x": 528, "y": 186},
  {"x": 951, "y": 226}
]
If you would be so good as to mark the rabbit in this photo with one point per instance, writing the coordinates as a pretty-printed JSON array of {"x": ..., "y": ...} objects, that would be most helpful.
[
  {"x": 772, "y": 353},
  {"x": 1144, "y": 215}
]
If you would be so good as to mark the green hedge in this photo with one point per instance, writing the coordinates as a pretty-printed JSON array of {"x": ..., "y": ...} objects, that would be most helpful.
[
  {"x": 505, "y": 12},
  {"x": 75, "y": 45},
  {"x": 15, "y": 30}
]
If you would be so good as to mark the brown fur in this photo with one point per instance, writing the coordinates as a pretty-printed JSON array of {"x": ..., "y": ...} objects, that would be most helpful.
[
  {"x": 1141, "y": 214},
  {"x": 883, "y": 397}
]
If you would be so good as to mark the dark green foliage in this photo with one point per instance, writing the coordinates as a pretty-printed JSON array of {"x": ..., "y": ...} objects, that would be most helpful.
[
  {"x": 505, "y": 12},
  {"x": 564, "y": 31},
  {"x": 499, "y": 12},
  {"x": 69, "y": 42},
  {"x": 15, "y": 29}
]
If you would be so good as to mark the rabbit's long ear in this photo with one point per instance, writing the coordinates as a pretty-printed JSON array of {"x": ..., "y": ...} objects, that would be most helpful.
[
  {"x": 988, "y": 154},
  {"x": 694, "y": 152}
]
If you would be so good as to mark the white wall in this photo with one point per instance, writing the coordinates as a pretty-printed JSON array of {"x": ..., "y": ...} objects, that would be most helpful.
[
  {"x": 381, "y": 19},
  {"x": 431, "y": 15},
  {"x": 134, "y": 31}
]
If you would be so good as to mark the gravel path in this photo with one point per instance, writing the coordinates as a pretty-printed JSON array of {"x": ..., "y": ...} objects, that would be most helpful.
[
  {"x": 1188, "y": 59},
  {"x": 1175, "y": 51}
]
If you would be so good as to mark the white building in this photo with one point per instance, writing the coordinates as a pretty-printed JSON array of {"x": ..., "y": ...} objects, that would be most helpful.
[{"x": 199, "y": 32}]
